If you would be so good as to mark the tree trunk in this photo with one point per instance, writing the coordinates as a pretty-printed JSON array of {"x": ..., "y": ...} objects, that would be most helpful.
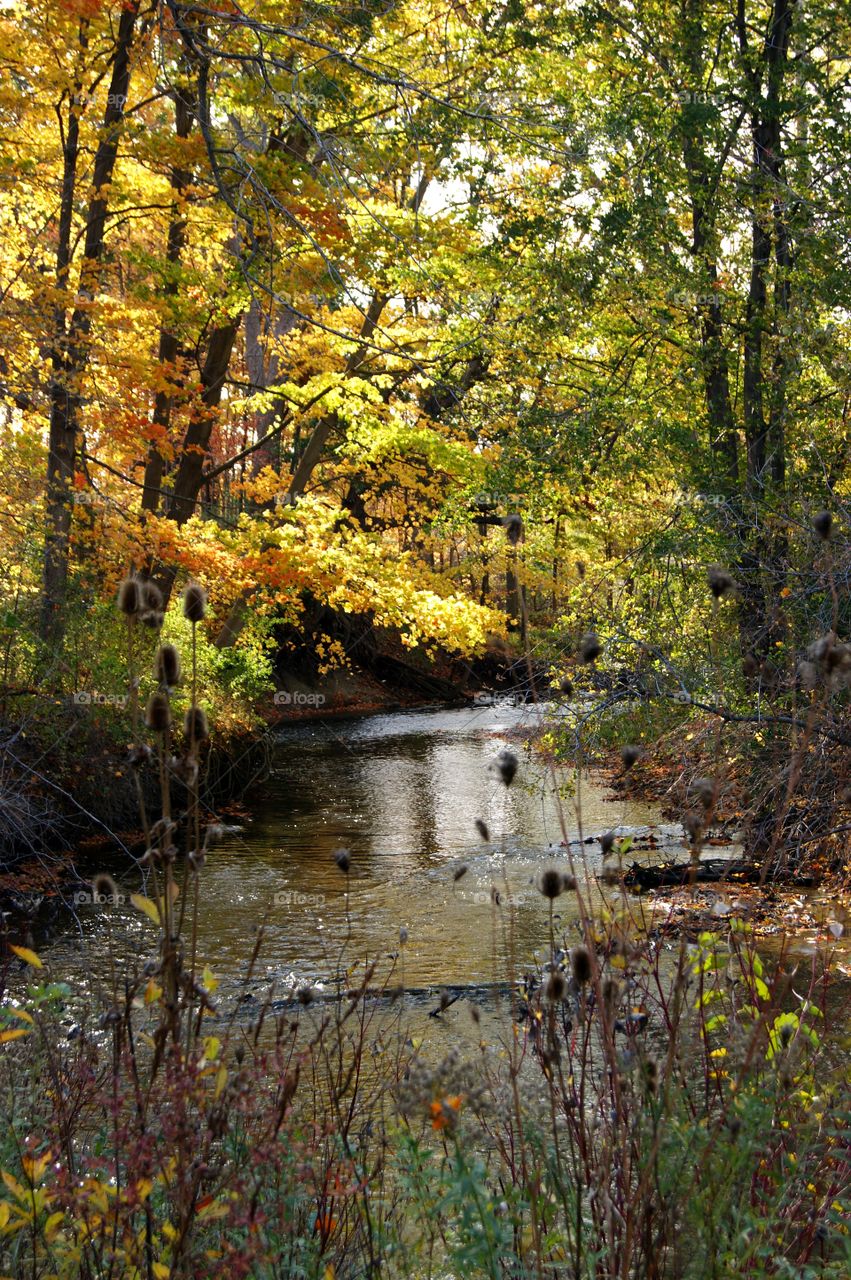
[
  {"x": 71, "y": 351},
  {"x": 189, "y": 476},
  {"x": 169, "y": 347}
]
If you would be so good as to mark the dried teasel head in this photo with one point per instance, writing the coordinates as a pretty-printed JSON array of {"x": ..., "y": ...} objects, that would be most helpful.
[
  {"x": 343, "y": 859},
  {"x": 607, "y": 842},
  {"x": 513, "y": 525},
  {"x": 507, "y": 765},
  {"x": 556, "y": 986},
  {"x": 630, "y": 755},
  {"x": 139, "y": 755},
  {"x": 565, "y": 686},
  {"x": 590, "y": 647},
  {"x": 167, "y": 665},
  {"x": 158, "y": 714},
  {"x": 195, "y": 725},
  {"x": 103, "y": 886},
  {"x": 821, "y": 648},
  {"x": 721, "y": 583},
  {"x": 808, "y": 674},
  {"x": 185, "y": 769},
  {"x": 130, "y": 597},
  {"x": 551, "y": 884},
  {"x": 483, "y": 830},
  {"x": 194, "y": 602},
  {"x": 459, "y": 873},
  {"x": 823, "y": 525},
  {"x": 152, "y": 597},
  {"x": 580, "y": 965},
  {"x": 703, "y": 790},
  {"x": 612, "y": 992},
  {"x": 693, "y": 824}
]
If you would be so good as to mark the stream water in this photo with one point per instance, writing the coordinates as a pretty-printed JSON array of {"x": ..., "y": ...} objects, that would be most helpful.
[{"x": 402, "y": 791}]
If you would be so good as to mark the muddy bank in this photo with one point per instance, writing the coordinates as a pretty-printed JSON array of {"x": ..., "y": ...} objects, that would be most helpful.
[{"x": 78, "y": 795}]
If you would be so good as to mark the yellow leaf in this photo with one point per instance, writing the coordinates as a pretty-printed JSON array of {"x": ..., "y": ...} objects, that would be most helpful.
[
  {"x": 221, "y": 1080},
  {"x": 213, "y": 1209},
  {"x": 151, "y": 909},
  {"x": 212, "y": 1045},
  {"x": 20, "y": 1013},
  {"x": 210, "y": 981},
  {"x": 13, "y": 1035},
  {"x": 29, "y": 956},
  {"x": 34, "y": 1167},
  {"x": 51, "y": 1227},
  {"x": 19, "y": 1192},
  {"x": 161, "y": 1271}
]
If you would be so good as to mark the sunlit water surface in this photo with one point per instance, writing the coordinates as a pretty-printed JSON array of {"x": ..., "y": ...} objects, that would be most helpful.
[{"x": 401, "y": 791}]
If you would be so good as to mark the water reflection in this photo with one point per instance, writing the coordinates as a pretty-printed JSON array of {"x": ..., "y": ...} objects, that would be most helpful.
[{"x": 402, "y": 791}]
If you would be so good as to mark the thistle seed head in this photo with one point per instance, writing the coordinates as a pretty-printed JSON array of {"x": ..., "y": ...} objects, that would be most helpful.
[
  {"x": 693, "y": 824},
  {"x": 507, "y": 764},
  {"x": 551, "y": 884},
  {"x": 823, "y": 525},
  {"x": 104, "y": 886},
  {"x": 343, "y": 859},
  {"x": 808, "y": 675},
  {"x": 556, "y": 986},
  {"x": 580, "y": 965},
  {"x": 152, "y": 597},
  {"x": 194, "y": 602},
  {"x": 590, "y": 647},
  {"x": 611, "y": 994},
  {"x": 139, "y": 755},
  {"x": 513, "y": 525},
  {"x": 703, "y": 790},
  {"x": 167, "y": 665},
  {"x": 195, "y": 724},
  {"x": 129, "y": 597},
  {"x": 721, "y": 583},
  {"x": 158, "y": 714}
]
